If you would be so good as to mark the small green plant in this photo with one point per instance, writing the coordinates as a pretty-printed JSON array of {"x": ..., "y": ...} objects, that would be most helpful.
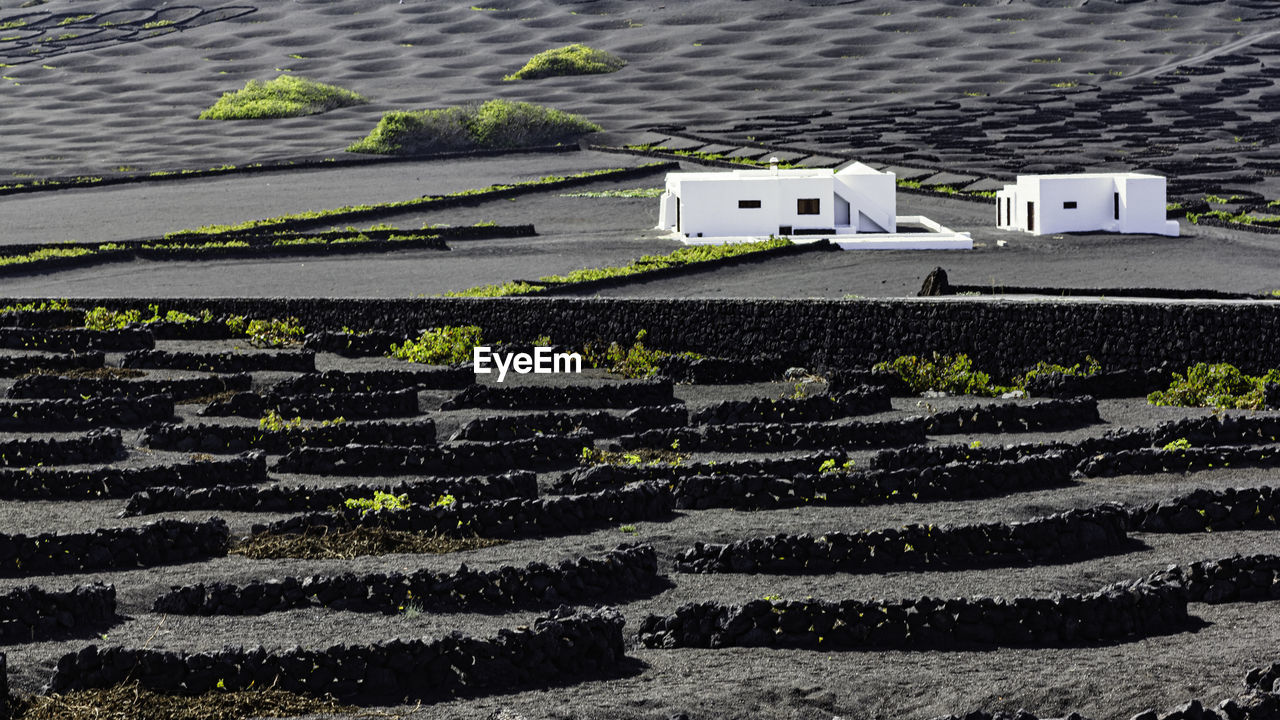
[
  {"x": 275, "y": 332},
  {"x": 576, "y": 59},
  {"x": 1219, "y": 385},
  {"x": 445, "y": 500},
  {"x": 829, "y": 466},
  {"x": 448, "y": 345},
  {"x": 380, "y": 501},
  {"x": 633, "y": 361},
  {"x": 627, "y": 528},
  {"x": 771, "y": 598},
  {"x": 37, "y": 307},
  {"x": 1091, "y": 367},
  {"x": 495, "y": 124},
  {"x": 943, "y": 373},
  {"x": 1176, "y": 445},
  {"x": 276, "y": 422},
  {"x": 286, "y": 96},
  {"x": 975, "y": 445}
]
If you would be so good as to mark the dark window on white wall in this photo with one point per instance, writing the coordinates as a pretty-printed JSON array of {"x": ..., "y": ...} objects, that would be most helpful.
[
  {"x": 808, "y": 206},
  {"x": 746, "y": 204},
  {"x": 1069, "y": 205}
]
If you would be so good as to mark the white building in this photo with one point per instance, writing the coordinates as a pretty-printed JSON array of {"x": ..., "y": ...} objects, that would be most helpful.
[
  {"x": 799, "y": 201},
  {"x": 1089, "y": 202}
]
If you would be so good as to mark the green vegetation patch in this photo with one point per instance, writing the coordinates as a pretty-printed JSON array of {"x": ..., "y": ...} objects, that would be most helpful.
[
  {"x": 379, "y": 501},
  {"x": 1218, "y": 385},
  {"x": 576, "y": 59},
  {"x": 955, "y": 374},
  {"x": 286, "y": 96},
  {"x": 632, "y": 361},
  {"x": 101, "y": 318},
  {"x": 448, "y": 345},
  {"x": 497, "y": 124},
  {"x": 641, "y": 456},
  {"x": 37, "y": 307}
]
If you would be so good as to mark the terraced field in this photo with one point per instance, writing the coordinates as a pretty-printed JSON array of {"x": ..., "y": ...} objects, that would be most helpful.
[{"x": 595, "y": 546}]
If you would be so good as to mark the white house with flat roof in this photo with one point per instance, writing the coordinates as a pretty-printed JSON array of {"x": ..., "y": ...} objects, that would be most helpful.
[
  {"x": 794, "y": 201},
  {"x": 854, "y": 207},
  {"x": 1087, "y": 202}
]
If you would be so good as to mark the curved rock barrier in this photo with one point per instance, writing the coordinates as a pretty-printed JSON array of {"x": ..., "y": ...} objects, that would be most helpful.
[
  {"x": 12, "y": 365},
  {"x": 844, "y": 379},
  {"x": 1118, "y": 384},
  {"x": 285, "y": 361},
  {"x": 195, "y": 330},
  {"x": 1235, "y": 579},
  {"x": 96, "y": 446},
  {"x": 46, "y": 319},
  {"x": 53, "y": 386},
  {"x": 1155, "y": 460},
  {"x": 1113, "y": 614},
  {"x": 547, "y": 516},
  {"x": 773, "y": 437},
  {"x": 1213, "y": 510},
  {"x": 361, "y": 406},
  {"x": 596, "y": 424},
  {"x": 596, "y": 477},
  {"x": 1038, "y": 416},
  {"x": 77, "y": 414},
  {"x": 301, "y": 498},
  {"x": 29, "y": 613},
  {"x": 159, "y": 543},
  {"x": 548, "y": 452},
  {"x": 338, "y": 381},
  {"x": 550, "y": 397},
  {"x": 371, "y": 343},
  {"x": 626, "y": 570},
  {"x": 789, "y": 410},
  {"x": 948, "y": 482},
  {"x": 116, "y": 482},
  {"x": 721, "y": 371},
  {"x": 238, "y": 438},
  {"x": 1053, "y": 538},
  {"x": 75, "y": 341},
  {"x": 565, "y": 644},
  {"x": 1264, "y": 678}
]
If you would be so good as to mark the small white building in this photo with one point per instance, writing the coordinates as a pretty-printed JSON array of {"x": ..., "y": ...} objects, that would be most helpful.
[
  {"x": 1087, "y": 202},
  {"x": 794, "y": 201}
]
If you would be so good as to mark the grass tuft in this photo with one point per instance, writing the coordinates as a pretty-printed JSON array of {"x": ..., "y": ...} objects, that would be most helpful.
[
  {"x": 286, "y": 96},
  {"x": 496, "y": 124},
  {"x": 358, "y": 542},
  {"x": 576, "y": 59}
]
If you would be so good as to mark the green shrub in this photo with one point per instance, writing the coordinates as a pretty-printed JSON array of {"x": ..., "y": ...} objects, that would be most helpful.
[
  {"x": 276, "y": 422},
  {"x": 448, "y": 345},
  {"x": 275, "y": 332},
  {"x": 286, "y": 96},
  {"x": 380, "y": 501},
  {"x": 37, "y": 307},
  {"x": 1219, "y": 385},
  {"x": 44, "y": 254},
  {"x": 633, "y": 361},
  {"x": 503, "y": 290},
  {"x": 576, "y": 59},
  {"x": 495, "y": 124},
  {"x": 1176, "y": 445},
  {"x": 942, "y": 373},
  {"x": 1092, "y": 367}
]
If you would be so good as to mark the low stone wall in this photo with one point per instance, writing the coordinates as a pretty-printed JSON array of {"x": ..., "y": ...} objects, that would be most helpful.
[
  {"x": 721, "y": 371},
  {"x": 77, "y": 414},
  {"x": 1235, "y": 579},
  {"x": 549, "y": 452},
  {"x": 1114, "y": 614},
  {"x": 47, "y": 319},
  {"x": 595, "y": 477},
  {"x": 285, "y": 361},
  {"x": 53, "y": 386},
  {"x": 1155, "y": 460},
  {"x": 158, "y": 543},
  {"x": 596, "y": 424},
  {"x": 303, "y": 498},
  {"x": 863, "y": 401},
  {"x": 29, "y": 613},
  {"x": 1201, "y": 510},
  {"x": 13, "y": 365},
  {"x": 373, "y": 343},
  {"x": 1054, "y": 538},
  {"x": 1040, "y": 416},
  {"x": 566, "y": 644},
  {"x": 774, "y": 437},
  {"x": 624, "y": 571},
  {"x": 337, "y": 381},
  {"x": 96, "y": 446},
  {"x": 116, "y": 482},
  {"x": 948, "y": 482},
  {"x": 75, "y": 341},
  {"x": 548, "y": 516},
  {"x": 359, "y": 406},
  {"x": 550, "y": 397},
  {"x": 238, "y": 438},
  {"x": 1119, "y": 384}
]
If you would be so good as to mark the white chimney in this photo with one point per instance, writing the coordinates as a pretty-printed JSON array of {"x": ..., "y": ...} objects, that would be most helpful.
[{"x": 773, "y": 165}]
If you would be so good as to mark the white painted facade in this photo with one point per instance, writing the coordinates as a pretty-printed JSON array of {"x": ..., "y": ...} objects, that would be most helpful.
[
  {"x": 1088, "y": 202},
  {"x": 781, "y": 202}
]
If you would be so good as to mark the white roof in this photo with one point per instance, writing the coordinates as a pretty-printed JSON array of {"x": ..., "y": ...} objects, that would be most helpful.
[
  {"x": 853, "y": 168},
  {"x": 1069, "y": 176}
]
